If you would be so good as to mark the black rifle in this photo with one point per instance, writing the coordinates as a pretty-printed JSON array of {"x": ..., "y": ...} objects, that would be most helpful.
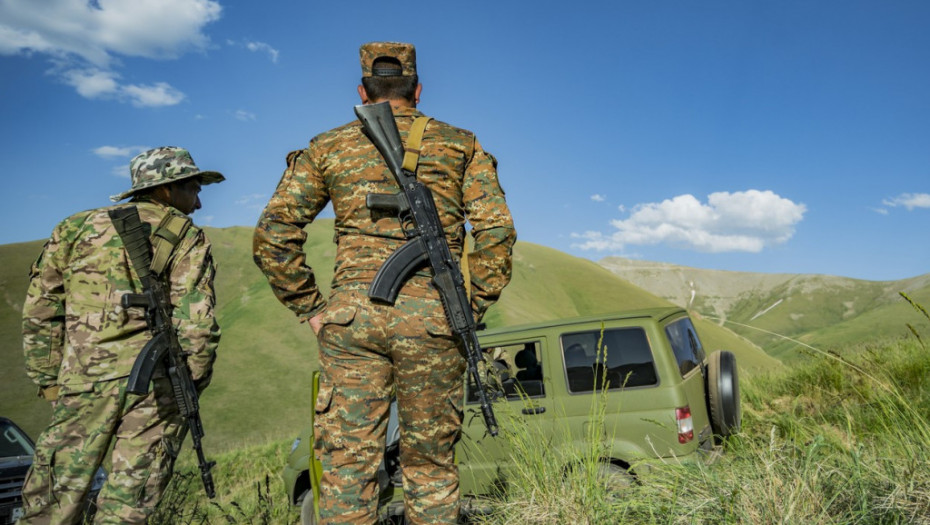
[
  {"x": 426, "y": 242},
  {"x": 163, "y": 349}
]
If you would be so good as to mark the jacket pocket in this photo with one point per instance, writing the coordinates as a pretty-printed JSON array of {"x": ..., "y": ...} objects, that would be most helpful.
[
  {"x": 339, "y": 314},
  {"x": 437, "y": 326},
  {"x": 324, "y": 398},
  {"x": 38, "y": 487}
]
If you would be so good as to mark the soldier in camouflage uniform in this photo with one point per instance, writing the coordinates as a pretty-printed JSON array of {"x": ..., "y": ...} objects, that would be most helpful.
[
  {"x": 369, "y": 350},
  {"x": 80, "y": 345}
]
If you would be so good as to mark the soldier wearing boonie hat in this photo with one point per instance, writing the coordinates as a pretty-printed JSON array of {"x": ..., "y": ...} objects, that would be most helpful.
[
  {"x": 80, "y": 345},
  {"x": 371, "y": 351},
  {"x": 163, "y": 166}
]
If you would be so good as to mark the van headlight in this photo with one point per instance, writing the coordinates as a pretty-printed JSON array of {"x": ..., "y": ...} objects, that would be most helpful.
[{"x": 294, "y": 445}]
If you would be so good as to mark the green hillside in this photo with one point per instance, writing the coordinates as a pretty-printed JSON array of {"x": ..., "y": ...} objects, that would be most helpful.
[
  {"x": 260, "y": 390},
  {"x": 17, "y": 392},
  {"x": 825, "y": 312},
  {"x": 548, "y": 284}
]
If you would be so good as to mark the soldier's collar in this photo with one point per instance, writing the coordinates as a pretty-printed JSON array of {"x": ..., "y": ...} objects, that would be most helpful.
[{"x": 407, "y": 112}]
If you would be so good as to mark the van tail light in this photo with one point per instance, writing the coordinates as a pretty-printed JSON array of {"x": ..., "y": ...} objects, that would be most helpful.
[{"x": 685, "y": 424}]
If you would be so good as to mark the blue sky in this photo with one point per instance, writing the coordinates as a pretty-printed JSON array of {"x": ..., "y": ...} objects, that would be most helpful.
[{"x": 789, "y": 137}]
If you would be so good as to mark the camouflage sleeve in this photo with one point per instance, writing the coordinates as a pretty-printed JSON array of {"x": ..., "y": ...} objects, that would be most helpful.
[
  {"x": 277, "y": 246},
  {"x": 194, "y": 301},
  {"x": 44, "y": 316},
  {"x": 490, "y": 264}
]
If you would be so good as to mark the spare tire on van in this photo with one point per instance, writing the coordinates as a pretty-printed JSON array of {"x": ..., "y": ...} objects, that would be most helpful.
[{"x": 722, "y": 385}]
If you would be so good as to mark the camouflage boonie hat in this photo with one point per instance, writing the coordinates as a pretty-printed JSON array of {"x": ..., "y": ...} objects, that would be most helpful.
[
  {"x": 406, "y": 54},
  {"x": 164, "y": 165}
]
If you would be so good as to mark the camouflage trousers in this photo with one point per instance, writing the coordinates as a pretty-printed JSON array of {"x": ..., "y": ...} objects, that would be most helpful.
[
  {"x": 145, "y": 433},
  {"x": 367, "y": 353}
]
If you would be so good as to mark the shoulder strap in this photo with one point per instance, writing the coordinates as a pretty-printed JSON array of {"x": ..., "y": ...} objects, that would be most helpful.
[
  {"x": 165, "y": 239},
  {"x": 414, "y": 140}
]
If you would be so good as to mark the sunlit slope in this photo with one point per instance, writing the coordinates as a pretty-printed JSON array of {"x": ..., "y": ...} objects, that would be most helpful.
[
  {"x": 261, "y": 382},
  {"x": 784, "y": 312},
  {"x": 261, "y": 379},
  {"x": 549, "y": 284},
  {"x": 18, "y": 399}
]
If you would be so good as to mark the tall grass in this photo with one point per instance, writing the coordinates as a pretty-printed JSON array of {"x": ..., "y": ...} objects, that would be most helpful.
[
  {"x": 248, "y": 485},
  {"x": 844, "y": 439},
  {"x": 565, "y": 484}
]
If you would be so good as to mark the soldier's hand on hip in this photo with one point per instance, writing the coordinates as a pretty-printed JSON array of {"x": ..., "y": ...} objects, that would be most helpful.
[{"x": 316, "y": 322}]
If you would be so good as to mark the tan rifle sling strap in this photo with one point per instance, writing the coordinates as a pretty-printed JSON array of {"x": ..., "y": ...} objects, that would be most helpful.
[
  {"x": 414, "y": 141},
  {"x": 165, "y": 238}
]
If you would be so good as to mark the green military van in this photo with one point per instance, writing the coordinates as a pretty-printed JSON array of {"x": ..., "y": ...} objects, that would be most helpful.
[{"x": 664, "y": 399}]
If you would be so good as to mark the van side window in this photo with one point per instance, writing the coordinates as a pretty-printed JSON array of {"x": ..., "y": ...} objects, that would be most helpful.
[
  {"x": 622, "y": 360},
  {"x": 686, "y": 345},
  {"x": 511, "y": 371}
]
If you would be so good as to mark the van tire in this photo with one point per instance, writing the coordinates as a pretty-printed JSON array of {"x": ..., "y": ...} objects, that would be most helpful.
[
  {"x": 307, "y": 514},
  {"x": 723, "y": 394},
  {"x": 614, "y": 476}
]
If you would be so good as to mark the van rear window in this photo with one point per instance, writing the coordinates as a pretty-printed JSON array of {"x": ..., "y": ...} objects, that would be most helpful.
[
  {"x": 686, "y": 345},
  {"x": 623, "y": 359}
]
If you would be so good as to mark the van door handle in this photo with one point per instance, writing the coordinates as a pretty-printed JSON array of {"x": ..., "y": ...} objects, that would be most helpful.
[{"x": 534, "y": 410}]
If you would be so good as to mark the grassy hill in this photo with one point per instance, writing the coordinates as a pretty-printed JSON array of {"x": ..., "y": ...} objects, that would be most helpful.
[
  {"x": 823, "y": 311},
  {"x": 260, "y": 391}
]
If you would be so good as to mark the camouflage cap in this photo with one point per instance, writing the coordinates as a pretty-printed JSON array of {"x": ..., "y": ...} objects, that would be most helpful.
[
  {"x": 161, "y": 166},
  {"x": 406, "y": 54}
]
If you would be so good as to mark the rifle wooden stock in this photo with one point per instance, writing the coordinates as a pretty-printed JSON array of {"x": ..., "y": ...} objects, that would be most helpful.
[{"x": 426, "y": 243}]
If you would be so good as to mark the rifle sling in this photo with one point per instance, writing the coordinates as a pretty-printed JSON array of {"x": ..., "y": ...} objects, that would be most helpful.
[
  {"x": 414, "y": 140},
  {"x": 165, "y": 239}
]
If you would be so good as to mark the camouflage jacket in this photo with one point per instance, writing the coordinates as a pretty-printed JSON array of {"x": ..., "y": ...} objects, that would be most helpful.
[
  {"x": 342, "y": 166},
  {"x": 75, "y": 332}
]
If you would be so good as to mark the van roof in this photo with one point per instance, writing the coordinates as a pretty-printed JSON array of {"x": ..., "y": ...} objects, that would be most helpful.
[{"x": 657, "y": 314}]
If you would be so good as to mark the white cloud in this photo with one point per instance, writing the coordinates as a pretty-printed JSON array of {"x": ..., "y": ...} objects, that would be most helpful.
[
  {"x": 94, "y": 32},
  {"x": 100, "y": 84},
  {"x": 255, "y": 201},
  {"x": 250, "y": 199},
  {"x": 263, "y": 47},
  {"x": 109, "y": 152},
  {"x": 92, "y": 83},
  {"x": 244, "y": 115},
  {"x": 120, "y": 171},
  {"x": 745, "y": 221},
  {"x": 159, "y": 94},
  {"x": 909, "y": 201},
  {"x": 84, "y": 38},
  {"x": 597, "y": 197}
]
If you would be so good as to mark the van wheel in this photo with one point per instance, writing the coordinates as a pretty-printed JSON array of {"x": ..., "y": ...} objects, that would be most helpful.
[
  {"x": 723, "y": 394},
  {"x": 307, "y": 515},
  {"x": 615, "y": 478}
]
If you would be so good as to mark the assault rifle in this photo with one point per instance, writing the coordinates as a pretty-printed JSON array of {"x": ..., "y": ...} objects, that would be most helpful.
[
  {"x": 163, "y": 349},
  {"x": 426, "y": 243}
]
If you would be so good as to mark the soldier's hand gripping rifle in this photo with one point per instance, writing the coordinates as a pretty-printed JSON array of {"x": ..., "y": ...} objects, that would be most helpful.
[
  {"x": 426, "y": 243},
  {"x": 163, "y": 349}
]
